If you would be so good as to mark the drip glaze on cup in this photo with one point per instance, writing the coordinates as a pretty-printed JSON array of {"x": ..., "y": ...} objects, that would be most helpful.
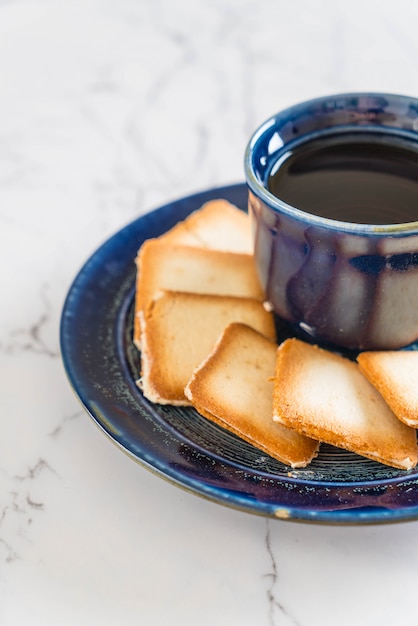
[{"x": 333, "y": 195}]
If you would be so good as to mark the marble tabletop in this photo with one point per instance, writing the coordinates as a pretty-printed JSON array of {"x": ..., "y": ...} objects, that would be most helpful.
[{"x": 108, "y": 109}]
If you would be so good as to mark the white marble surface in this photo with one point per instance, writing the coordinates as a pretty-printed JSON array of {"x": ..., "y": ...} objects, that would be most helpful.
[{"x": 109, "y": 108}]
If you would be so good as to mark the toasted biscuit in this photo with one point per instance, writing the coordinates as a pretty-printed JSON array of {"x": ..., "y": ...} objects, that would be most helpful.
[
  {"x": 326, "y": 397},
  {"x": 218, "y": 225},
  {"x": 395, "y": 376},
  {"x": 164, "y": 266},
  {"x": 233, "y": 387},
  {"x": 179, "y": 330}
]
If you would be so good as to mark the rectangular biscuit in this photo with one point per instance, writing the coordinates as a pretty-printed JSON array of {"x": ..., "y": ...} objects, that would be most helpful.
[
  {"x": 326, "y": 397},
  {"x": 394, "y": 373},
  {"x": 233, "y": 387},
  {"x": 165, "y": 266},
  {"x": 218, "y": 225}
]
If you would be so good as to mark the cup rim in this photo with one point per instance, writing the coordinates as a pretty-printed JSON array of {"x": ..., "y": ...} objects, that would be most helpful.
[{"x": 282, "y": 207}]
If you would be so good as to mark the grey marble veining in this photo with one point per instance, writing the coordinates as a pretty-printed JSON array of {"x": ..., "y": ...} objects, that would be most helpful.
[{"x": 107, "y": 110}]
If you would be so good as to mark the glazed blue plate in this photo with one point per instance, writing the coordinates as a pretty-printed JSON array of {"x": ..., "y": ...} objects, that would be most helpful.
[{"x": 176, "y": 442}]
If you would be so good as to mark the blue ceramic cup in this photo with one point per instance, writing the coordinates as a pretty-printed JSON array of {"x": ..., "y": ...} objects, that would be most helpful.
[{"x": 350, "y": 284}]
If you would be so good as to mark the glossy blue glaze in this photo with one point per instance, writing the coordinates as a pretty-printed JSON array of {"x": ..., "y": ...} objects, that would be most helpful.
[
  {"x": 351, "y": 285},
  {"x": 177, "y": 443}
]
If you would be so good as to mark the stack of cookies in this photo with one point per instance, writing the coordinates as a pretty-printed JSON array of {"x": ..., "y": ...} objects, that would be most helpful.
[{"x": 207, "y": 339}]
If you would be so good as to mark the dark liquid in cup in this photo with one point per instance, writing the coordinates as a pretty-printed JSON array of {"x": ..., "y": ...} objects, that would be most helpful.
[{"x": 367, "y": 178}]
